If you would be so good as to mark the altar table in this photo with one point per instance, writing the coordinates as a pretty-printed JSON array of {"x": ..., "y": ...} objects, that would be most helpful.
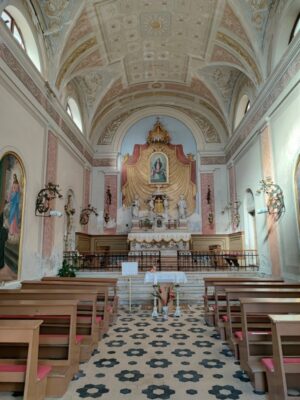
[{"x": 175, "y": 277}]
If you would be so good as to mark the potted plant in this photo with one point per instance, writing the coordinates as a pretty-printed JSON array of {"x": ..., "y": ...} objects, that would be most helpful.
[{"x": 67, "y": 270}]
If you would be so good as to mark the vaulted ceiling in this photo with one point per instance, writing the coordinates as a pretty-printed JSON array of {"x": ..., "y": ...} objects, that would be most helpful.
[{"x": 119, "y": 56}]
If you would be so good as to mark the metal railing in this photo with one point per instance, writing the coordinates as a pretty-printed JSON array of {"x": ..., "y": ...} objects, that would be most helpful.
[
  {"x": 187, "y": 260},
  {"x": 221, "y": 260},
  {"x": 112, "y": 260}
]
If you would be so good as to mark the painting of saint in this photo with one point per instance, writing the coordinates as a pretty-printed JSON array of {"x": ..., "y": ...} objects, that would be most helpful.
[
  {"x": 158, "y": 168},
  {"x": 11, "y": 205}
]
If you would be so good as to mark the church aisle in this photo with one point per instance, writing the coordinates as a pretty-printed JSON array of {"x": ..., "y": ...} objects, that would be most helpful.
[{"x": 177, "y": 359}]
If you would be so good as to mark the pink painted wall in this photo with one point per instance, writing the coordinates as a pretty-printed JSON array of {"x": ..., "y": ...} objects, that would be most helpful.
[
  {"x": 268, "y": 170},
  {"x": 86, "y": 194},
  {"x": 207, "y": 180},
  {"x": 51, "y": 176},
  {"x": 111, "y": 181}
]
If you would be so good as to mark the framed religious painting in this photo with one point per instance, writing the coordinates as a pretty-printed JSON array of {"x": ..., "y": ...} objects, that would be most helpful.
[
  {"x": 297, "y": 191},
  {"x": 159, "y": 168},
  {"x": 12, "y": 182}
]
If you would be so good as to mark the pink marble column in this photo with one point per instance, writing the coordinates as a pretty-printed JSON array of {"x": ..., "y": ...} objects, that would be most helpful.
[
  {"x": 111, "y": 183},
  {"x": 51, "y": 175},
  {"x": 232, "y": 190},
  {"x": 86, "y": 194},
  {"x": 268, "y": 170},
  {"x": 207, "y": 202}
]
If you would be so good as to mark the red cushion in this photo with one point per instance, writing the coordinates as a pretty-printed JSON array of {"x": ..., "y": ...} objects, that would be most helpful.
[
  {"x": 238, "y": 335},
  {"x": 269, "y": 362},
  {"x": 43, "y": 370},
  {"x": 225, "y": 318},
  {"x": 79, "y": 338}
]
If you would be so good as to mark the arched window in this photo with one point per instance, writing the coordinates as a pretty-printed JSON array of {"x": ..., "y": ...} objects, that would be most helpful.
[
  {"x": 74, "y": 112},
  {"x": 296, "y": 28},
  {"x": 13, "y": 27},
  {"x": 247, "y": 108},
  {"x": 243, "y": 107},
  {"x": 21, "y": 31}
]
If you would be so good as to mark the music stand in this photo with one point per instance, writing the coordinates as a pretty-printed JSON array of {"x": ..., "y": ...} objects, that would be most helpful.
[{"x": 129, "y": 269}]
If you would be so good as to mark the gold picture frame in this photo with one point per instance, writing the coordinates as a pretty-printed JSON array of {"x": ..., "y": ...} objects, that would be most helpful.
[
  {"x": 297, "y": 191},
  {"x": 158, "y": 168},
  {"x": 12, "y": 195}
]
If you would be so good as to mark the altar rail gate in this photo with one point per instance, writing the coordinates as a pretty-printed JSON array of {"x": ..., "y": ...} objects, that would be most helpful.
[{"x": 184, "y": 261}]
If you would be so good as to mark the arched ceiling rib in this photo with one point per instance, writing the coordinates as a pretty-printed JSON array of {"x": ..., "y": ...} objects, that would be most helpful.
[{"x": 163, "y": 51}]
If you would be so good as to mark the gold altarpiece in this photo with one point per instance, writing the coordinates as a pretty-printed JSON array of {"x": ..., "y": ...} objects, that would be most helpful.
[{"x": 179, "y": 175}]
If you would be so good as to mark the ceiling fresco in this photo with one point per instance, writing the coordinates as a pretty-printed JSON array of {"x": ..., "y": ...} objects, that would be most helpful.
[{"x": 123, "y": 55}]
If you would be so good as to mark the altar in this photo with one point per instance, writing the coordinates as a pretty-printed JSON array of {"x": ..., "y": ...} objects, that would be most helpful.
[
  {"x": 166, "y": 242},
  {"x": 174, "y": 277}
]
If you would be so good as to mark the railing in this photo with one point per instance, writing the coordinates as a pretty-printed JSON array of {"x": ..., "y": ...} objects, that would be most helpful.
[
  {"x": 217, "y": 260},
  {"x": 112, "y": 260},
  {"x": 186, "y": 260}
]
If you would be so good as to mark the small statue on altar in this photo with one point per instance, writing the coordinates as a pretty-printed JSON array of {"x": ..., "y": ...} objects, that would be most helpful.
[
  {"x": 151, "y": 205},
  {"x": 136, "y": 207},
  {"x": 181, "y": 207},
  {"x": 159, "y": 206}
]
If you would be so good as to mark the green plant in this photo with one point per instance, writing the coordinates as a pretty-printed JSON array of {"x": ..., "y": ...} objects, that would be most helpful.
[{"x": 67, "y": 270}]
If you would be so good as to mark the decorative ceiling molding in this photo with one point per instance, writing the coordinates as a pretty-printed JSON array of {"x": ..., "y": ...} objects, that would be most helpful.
[
  {"x": 73, "y": 57},
  {"x": 227, "y": 40},
  {"x": 231, "y": 22}
]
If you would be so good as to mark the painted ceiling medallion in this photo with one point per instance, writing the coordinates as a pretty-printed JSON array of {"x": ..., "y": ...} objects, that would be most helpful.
[{"x": 155, "y": 24}]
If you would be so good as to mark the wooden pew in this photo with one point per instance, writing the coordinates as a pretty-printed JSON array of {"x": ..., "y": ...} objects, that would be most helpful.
[
  {"x": 220, "y": 301},
  {"x": 64, "y": 354},
  {"x": 111, "y": 283},
  {"x": 102, "y": 310},
  {"x": 15, "y": 375},
  {"x": 257, "y": 343},
  {"x": 87, "y": 325},
  {"x": 283, "y": 371},
  {"x": 209, "y": 296},
  {"x": 233, "y": 319}
]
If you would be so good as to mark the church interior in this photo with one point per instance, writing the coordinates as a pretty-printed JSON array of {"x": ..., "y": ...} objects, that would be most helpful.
[{"x": 150, "y": 192}]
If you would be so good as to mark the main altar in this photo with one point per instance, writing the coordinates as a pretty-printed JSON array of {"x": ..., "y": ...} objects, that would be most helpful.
[{"x": 159, "y": 185}]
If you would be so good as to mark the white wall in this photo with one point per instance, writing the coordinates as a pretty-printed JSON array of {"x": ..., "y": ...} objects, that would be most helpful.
[
  {"x": 23, "y": 133},
  {"x": 285, "y": 131},
  {"x": 97, "y": 200},
  {"x": 248, "y": 170},
  {"x": 70, "y": 175}
]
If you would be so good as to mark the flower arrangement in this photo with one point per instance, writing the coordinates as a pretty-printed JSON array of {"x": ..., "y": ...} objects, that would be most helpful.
[{"x": 165, "y": 294}]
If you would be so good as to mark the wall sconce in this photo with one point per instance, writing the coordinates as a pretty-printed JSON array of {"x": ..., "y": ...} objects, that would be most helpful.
[
  {"x": 43, "y": 201},
  {"x": 233, "y": 208},
  {"x": 275, "y": 200},
  {"x": 85, "y": 214}
]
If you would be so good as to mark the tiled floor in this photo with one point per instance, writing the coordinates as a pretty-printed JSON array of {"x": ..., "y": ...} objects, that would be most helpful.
[{"x": 177, "y": 359}]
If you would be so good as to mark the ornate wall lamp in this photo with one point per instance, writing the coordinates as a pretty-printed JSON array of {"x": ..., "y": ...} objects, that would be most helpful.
[
  {"x": 275, "y": 200},
  {"x": 85, "y": 214},
  {"x": 43, "y": 201},
  {"x": 233, "y": 208}
]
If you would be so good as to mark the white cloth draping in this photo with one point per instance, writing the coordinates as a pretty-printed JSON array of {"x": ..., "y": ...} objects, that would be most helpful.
[
  {"x": 150, "y": 237},
  {"x": 165, "y": 276}
]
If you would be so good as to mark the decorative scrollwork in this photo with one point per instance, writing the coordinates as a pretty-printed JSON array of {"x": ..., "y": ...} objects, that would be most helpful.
[
  {"x": 85, "y": 214},
  {"x": 275, "y": 200},
  {"x": 43, "y": 200}
]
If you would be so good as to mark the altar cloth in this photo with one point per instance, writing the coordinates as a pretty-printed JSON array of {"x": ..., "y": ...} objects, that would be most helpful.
[
  {"x": 165, "y": 276},
  {"x": 149, "y": 237}
]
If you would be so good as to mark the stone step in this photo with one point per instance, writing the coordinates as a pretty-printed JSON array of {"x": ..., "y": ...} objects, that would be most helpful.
[{"x": 141, "y": 293}]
